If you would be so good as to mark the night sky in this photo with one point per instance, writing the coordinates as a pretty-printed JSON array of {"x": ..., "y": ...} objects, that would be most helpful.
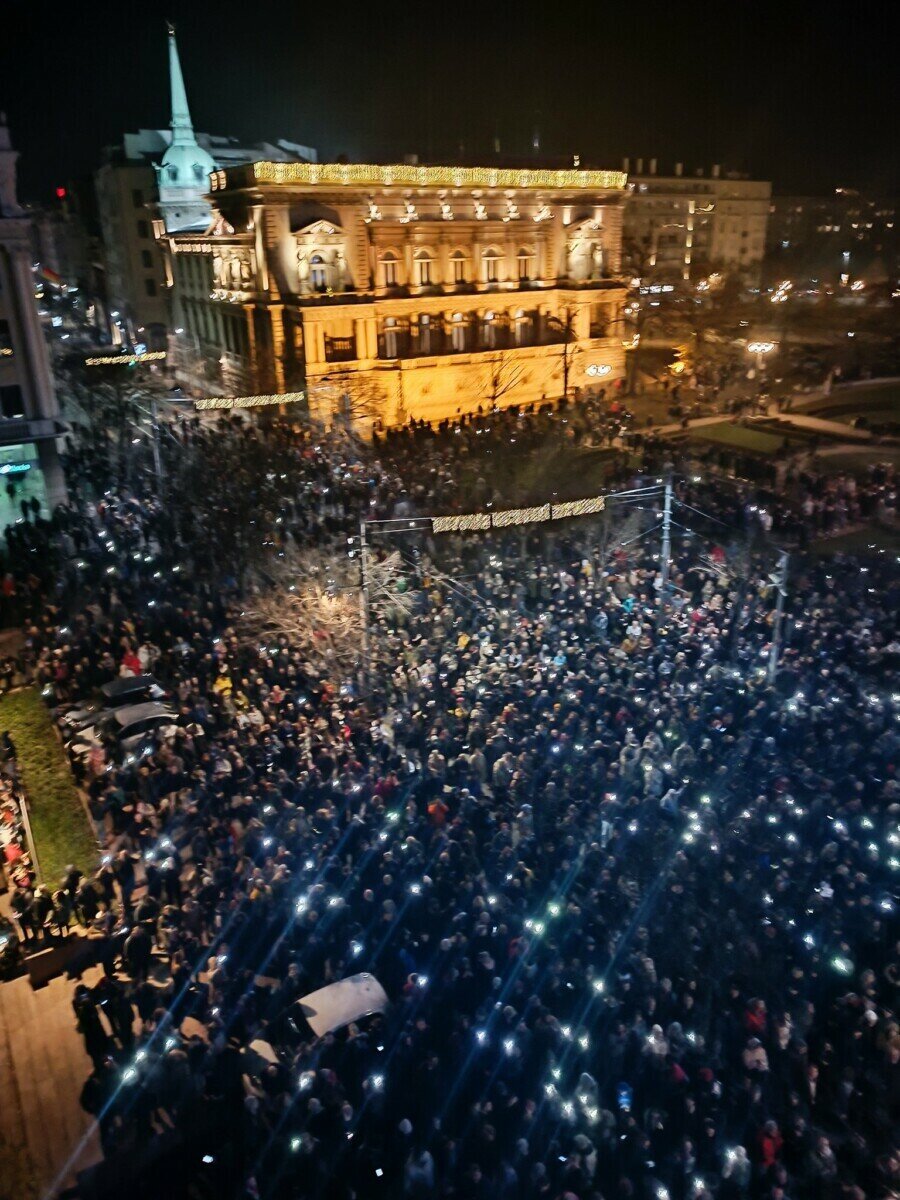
[{"x": 780, "y": 91}]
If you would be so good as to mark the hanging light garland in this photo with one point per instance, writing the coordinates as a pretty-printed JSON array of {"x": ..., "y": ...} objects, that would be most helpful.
[
  {"x": 229, "y": 402},
  {"x": 125, "y": 360}
]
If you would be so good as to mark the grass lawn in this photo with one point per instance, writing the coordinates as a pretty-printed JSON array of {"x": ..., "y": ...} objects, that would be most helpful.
[
  {"x": 857, "y": 458},
  {"x": 62, "y": 832},
  {"x": 739, "y": 437},
  {"x": 879, "y": 402}
]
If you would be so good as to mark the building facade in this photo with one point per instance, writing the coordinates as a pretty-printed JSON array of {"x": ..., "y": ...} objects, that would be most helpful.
[
  {"x": 837, "y": 239},
  {"x": 135, "y": 300},
  {"x": 391, "y": 292},
  {"x": 687, "y": 225},
  {"x": 29, "y": 412}
]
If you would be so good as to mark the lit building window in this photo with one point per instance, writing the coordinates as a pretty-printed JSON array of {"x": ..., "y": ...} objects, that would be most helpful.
[
  {"x": 526, "y": 264},
  {"x": 423, "y": 268},
  {"x": 390, "y": 337},
  {"x": 389, "y": 269},
  {"x": 425, "y": 334},
  {"x": 490, "y": 330},
  {"x": 458, "y": 332},
  {"x": 520, "y": 326},
  {"x": 458, "y": 265},
  {"x": 491, "y": 266},
  {"x": 317, "y": 273}
]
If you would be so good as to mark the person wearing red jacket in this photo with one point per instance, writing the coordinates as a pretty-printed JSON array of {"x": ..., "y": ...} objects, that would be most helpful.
[{"x": 770, "y": 1144}]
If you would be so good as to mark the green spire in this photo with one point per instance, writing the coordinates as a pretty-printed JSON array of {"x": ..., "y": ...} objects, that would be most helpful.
[{"x": 182, "y": 128}]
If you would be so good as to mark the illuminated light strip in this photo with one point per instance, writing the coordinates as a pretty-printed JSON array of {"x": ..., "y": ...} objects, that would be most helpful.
[
  {"x": 6, "y": 351},
  {"x": 119, "y": 360},
  {"x": 229, "y": 402},
  {"x": 521, "y": 516},
  {"x": 369, "y": 175},
  {"x": 461, "y": 524},
  {"x": 578, "y": 508}
]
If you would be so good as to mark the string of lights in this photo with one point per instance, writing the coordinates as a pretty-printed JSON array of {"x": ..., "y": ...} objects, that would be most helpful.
[
  {"x": 368, "y": 174},
  {"x": 212, "y": 403},
  {"x": 125, "y": 360}
]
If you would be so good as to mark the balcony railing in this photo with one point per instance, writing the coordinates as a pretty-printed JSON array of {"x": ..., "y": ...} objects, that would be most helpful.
[{"x": 466, "y": 339}]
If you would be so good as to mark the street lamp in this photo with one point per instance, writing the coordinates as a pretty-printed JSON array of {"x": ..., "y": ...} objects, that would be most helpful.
[{"x": 760, "y": 349}]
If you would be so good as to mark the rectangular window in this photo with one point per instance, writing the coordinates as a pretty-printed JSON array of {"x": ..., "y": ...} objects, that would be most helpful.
[
  {"x": 490, "y": 270},
  {"x": 424, "y": 271},
  {"x": 390, "y": 273},
  {"x": 137, "y": 197},
  {"x": 146, "y": 258},
  {"x": 143, "y": 229},
  {"x": 459, "y": 270},
  {"x": 11, "y": 402},
  {"x": 150, "y": 287}
]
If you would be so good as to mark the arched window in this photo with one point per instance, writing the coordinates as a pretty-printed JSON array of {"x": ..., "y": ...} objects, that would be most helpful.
[
  {"x": 491, "y": 260},
  {"x": 423, "y": 261},
  {"x": 489, "y": 332},
  {"x": 520, "y": 326},
  {"x": 318, "y": 275},
  {"x": 458, "y": 333},
  {"x": 389, "y": 268},
  {"x": 390, "y": 337},
  {"x": 458, "y": 262},
  {"x": 526, "y": 264}
]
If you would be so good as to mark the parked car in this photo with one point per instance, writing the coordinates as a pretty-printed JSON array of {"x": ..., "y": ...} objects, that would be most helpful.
[
  {"x": 125, "y": 727},
  {"x": 127, "y": 690}
]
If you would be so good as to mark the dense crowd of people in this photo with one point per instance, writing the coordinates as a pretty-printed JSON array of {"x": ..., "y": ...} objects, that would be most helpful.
[{"x": 632, "y": 903}]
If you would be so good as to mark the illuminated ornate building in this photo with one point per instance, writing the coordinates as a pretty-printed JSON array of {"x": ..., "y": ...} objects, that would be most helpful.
[{"x": 392, "y": 292}]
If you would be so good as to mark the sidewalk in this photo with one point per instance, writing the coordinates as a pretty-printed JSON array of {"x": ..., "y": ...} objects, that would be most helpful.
[{"x": 43, "y": 1067}]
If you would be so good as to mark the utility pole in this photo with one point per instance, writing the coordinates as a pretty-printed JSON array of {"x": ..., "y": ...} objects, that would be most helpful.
[
  {"x": 780, "y": 582},
  {"x": 157, "y": 457},
  {"x": 666, "y": 541},
  {"x": 364, "y": 598}
]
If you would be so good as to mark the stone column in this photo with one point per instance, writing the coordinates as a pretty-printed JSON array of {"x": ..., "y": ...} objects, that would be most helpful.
[
  {"x": 371, "y": 330},
  {"x": 276, "y": 312},
  {"x": 359, "y": 337},
  {"x": 581, "y": 321},
  {"x": 249, "y": 311}
]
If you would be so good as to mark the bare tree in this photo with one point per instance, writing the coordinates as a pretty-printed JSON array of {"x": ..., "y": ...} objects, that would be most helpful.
[
  {"x": 502, "y": 376},
  {"x": 354, "y": 401},
  {"x": 563, "y": 327},
  {"x": 312, "y": 604}
]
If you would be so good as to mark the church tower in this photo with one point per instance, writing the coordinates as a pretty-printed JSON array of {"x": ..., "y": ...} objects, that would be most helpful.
[{"x": 183, "y": 175}]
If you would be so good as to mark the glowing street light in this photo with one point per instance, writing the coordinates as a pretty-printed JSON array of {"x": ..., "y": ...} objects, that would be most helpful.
[{"x": 760, "y": 349}]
